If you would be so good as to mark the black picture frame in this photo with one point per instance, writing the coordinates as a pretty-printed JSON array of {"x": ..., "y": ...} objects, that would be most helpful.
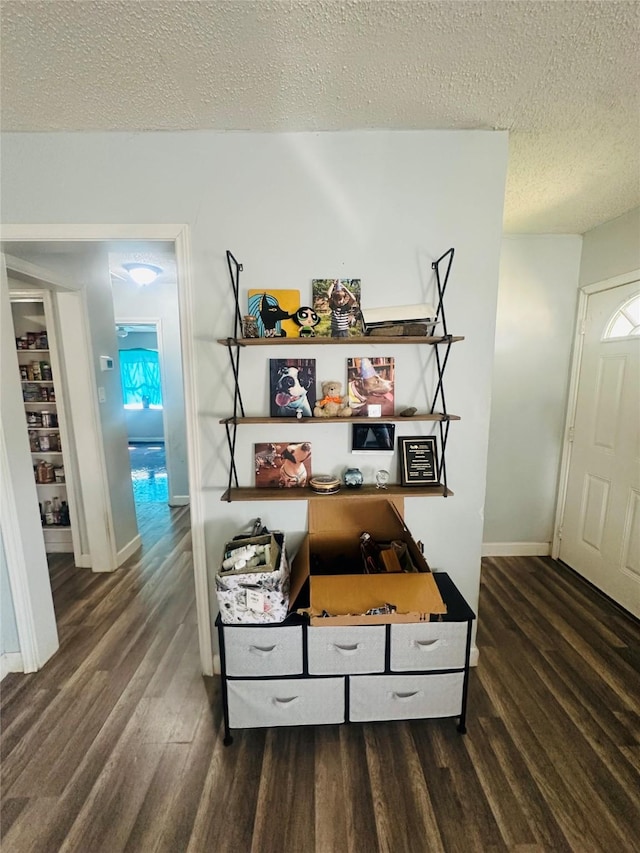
[
  {"x": 367, "y": 437},
  {"x": 418, "y": 460}
]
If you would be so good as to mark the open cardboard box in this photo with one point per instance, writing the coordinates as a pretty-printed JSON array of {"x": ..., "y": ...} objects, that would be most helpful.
[{"x": 335, "y": 526}]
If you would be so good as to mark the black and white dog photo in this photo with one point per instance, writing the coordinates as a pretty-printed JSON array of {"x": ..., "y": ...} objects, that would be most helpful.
[{"x": 293, "y": 391}]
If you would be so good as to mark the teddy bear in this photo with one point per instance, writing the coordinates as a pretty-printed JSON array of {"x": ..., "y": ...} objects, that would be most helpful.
[{"x": 332, "y": 404}]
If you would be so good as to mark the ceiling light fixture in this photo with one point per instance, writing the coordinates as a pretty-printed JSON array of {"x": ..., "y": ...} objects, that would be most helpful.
[{"x": 142, "y": 273}]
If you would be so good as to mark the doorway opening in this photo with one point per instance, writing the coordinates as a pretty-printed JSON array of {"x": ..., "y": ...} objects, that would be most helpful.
[
  {"x": 144, "y": 402},
  {"x": 37, "y": 640}
]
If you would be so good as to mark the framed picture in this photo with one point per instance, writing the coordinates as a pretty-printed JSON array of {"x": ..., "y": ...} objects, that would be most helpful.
[
  {"x": 372, "y": 438},
  {"x": 418, "y": 459},
  {"x": 282, "y": 464},
  {"x": 292, "y": 383},
  {"x": 371, "y": 383},
  {"x": 336, "y": 301},
  {"x": 273, "y": 310}
]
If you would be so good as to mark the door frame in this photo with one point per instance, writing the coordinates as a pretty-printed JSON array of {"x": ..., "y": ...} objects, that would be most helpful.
[
  {"x": 179, "y": 234},
  {"x": 585, "y": 292}
]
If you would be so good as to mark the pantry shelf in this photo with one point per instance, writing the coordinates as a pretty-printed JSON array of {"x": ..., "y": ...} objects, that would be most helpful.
[{"x": 44, "y": 411}]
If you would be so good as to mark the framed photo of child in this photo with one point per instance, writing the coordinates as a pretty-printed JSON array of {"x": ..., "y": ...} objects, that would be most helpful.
[{"x": 336, "y": 301}]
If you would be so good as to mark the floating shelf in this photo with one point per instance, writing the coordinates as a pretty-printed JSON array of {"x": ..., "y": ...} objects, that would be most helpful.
[
  {"x": 352, "y": 341},
  {"x": 392, "y": 418},
  {"x": 306, "y": 494}
]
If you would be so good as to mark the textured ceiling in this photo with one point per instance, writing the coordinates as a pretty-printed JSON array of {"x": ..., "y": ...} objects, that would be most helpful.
[{"x": 562, "y": 77}]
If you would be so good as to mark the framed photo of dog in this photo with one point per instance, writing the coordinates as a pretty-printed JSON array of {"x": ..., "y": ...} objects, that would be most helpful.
[
  {"x": 292, "y": 383},
  {"x": 282, "y": 464},
  {"x": 371, "y": 384}
]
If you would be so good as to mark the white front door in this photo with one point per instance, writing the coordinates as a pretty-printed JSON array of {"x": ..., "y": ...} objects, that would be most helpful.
[{"x": 600, "y": 530}]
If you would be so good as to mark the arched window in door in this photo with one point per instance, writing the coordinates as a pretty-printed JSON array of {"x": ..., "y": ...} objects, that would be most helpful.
[{"x": 625, "y": 323}]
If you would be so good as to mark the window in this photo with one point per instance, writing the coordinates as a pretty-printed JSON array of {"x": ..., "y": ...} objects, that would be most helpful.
[
  {"x": 140, "y": 375},
  {"x": 626, "y": 321}
]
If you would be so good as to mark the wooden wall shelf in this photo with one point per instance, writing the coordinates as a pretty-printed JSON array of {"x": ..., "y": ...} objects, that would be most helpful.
[
  {"x": 306, "y": 494},
  {"x": 436, "y": 416},
  {"x": 235, "y": 343},
  {"x": 353, "y": 341}
]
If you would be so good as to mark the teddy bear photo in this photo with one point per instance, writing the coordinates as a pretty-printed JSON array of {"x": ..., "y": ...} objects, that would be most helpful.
[{"x": 332, "y": 404}]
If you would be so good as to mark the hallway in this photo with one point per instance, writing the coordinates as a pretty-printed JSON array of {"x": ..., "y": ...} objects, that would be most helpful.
[{"x": 148, "y": 472}]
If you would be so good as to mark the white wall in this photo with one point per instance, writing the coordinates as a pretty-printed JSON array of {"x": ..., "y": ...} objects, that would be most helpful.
[
  {"x": 160, "y": 302},
  {"x": 377, "y": 205},
  {"x": 537, "y": 300},
  {"x": 8, "y": 629},
  {"x": 611, "y": 249}
]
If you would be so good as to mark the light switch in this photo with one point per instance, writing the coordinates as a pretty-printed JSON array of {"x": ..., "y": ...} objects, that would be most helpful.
[{"x": 102, "y": 395}]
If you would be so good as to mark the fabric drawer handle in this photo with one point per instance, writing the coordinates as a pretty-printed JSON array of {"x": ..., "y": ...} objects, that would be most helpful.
[
  {"x": 346, "y": 650},
  {"x": 425, "y": 645},
  {"x": 285, "y": 701},
  {"x": 406, "y": 697},
  {"x": 263, "y": 651}
]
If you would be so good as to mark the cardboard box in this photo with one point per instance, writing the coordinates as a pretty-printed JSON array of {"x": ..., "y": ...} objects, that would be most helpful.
[
  {"x": 236, "y": 544},
  {"x": 333, "y": 539}
]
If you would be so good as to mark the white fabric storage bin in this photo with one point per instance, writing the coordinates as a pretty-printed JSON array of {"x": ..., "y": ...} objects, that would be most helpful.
[
  {"x": 424, "y": 646},
  {"x": 285, "y": 702},
  {"x": 346, "y": 649},
  {"x": 263, "y": 651},
  {"x": 255, "y": 597},
  {"x": 404, "y": 697}
]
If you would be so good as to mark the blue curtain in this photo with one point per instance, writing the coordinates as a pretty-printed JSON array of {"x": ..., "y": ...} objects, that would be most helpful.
[{"x": 140, "y": 374}]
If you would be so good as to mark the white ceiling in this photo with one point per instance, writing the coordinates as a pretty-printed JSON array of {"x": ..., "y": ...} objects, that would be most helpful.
[{"x": 562, "y": 77}]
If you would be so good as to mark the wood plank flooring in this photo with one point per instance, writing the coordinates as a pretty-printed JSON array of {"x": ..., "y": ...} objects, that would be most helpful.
[{"x": 116, "y": 745}]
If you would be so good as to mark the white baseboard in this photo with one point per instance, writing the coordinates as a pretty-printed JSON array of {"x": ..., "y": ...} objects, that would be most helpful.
[
  {"x": 58, "y": 547},
  {"x": 83, "y": 561},
  {"x": 129, "y": 549},
  {"x": 516, "y": 549},
  {"x": 216, "y": 665},
  {"x": 179, "y": 500},
  {"x": 10, "y": 662}
]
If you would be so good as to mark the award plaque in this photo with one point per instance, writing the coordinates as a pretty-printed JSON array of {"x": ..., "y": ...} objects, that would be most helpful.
[{"x": 418, "y": 461}]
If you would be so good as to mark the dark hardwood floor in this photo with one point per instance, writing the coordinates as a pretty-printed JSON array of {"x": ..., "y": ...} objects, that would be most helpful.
[{"x": 116, "y": 745}]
